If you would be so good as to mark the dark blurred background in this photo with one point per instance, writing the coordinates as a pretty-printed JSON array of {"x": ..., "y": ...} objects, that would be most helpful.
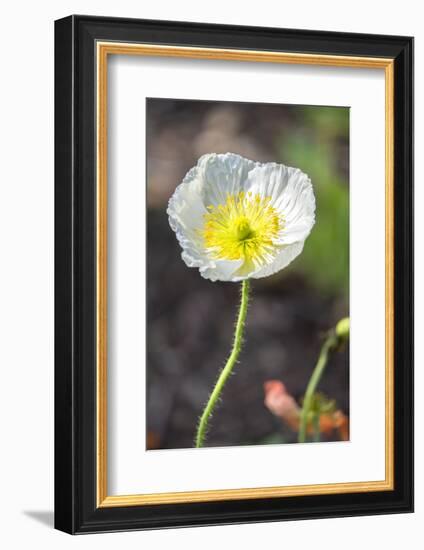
[{"x": 191, "y": 320}]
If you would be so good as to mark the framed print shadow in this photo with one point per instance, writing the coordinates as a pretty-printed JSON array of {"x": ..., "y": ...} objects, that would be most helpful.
[{"x": 233, "y": 274}]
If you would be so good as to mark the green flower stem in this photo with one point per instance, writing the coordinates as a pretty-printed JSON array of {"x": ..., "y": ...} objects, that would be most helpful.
[
  {"x": 226, "y": 371},
  {"x": 328, "y": 345},
  {"x": 317, "y": 431}
]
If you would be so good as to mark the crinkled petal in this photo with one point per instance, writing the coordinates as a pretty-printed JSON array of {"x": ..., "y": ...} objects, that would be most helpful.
[
  {"x": 222, "y": 175},
  {"x": 286, "y": 255},
  {"x": 222, "y": 270},
  {"x": 270, "y": 180},
  {"x": 291, "y": 194}
]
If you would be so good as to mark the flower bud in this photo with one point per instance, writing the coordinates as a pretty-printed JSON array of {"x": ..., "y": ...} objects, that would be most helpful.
[{"x": 342, "y": 329}]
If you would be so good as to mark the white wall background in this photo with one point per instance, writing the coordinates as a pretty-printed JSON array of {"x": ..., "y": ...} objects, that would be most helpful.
[{"x": 26, "y": 272}]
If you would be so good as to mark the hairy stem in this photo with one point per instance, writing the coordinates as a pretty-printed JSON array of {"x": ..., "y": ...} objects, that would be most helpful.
[
  {"x": 328, "y": 345},
  {"x": 226, "y": 371}
]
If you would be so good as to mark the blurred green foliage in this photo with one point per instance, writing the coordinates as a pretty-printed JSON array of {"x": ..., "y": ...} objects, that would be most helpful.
[
  {"x": 320, "y": 404},
  {"x": 317, "y": 148}
]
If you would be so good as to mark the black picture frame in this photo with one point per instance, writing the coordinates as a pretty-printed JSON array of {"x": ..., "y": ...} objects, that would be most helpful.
[{"x": 76, "y": 510}]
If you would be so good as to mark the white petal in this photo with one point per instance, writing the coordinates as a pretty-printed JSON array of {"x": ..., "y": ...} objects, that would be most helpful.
[
  {"x": 185, "y": 207},
  {"x": 222, "y": 175},
  {"x": 186, "y": 211},
  {"x": 291, "y": 195},
  {"x": 222, "y": 270},
  {"x": 269, "y": 180},
  {"x": 283, "y": 259}
]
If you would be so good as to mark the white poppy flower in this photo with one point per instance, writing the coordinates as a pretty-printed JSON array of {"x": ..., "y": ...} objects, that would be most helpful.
[{"x": 237, "y": 219}]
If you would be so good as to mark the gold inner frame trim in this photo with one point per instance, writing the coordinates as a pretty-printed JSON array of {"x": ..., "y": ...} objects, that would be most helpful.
[{"x": 103, "y": 50}]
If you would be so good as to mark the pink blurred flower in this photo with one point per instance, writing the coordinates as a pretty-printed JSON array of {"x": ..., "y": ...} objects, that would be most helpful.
[
  {"x": 281, "y": 403},
  {"x": 284, "y": 406}
]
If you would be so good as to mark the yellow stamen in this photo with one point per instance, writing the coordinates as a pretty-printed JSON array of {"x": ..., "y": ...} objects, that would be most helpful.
[{"x": 244, "y": 227}]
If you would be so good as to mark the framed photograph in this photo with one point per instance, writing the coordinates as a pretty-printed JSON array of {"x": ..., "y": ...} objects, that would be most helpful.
[{"x": 234, "y": 273}]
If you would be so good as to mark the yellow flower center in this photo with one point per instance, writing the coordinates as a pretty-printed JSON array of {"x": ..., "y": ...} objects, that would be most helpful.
[{"x": 243, "y": 228}]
